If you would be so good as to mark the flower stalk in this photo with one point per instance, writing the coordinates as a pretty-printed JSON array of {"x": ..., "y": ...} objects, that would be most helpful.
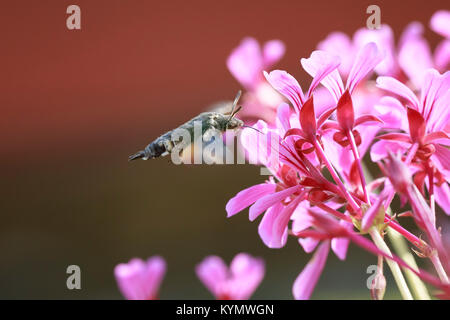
[{"x": 395, "y": 269}]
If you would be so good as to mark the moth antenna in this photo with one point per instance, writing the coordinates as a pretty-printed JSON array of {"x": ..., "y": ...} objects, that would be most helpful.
[
  {"x": 245, "y": 126},
  {"x": 237, "y": 110},
  {"x": 236, "y": 99}
]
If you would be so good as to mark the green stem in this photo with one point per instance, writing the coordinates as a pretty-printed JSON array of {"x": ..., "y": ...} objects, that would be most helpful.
[{"x": 395, "y": 269}]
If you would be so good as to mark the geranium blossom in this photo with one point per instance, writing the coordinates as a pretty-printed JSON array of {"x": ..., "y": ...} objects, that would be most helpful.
[
  {"x": 238, "y": 282},
  {"x": 139, "y": 279},
  {"x": 246, "y": 63},
  {"x": 426, "y": 135},
  {"x": 319, "y": 191}
]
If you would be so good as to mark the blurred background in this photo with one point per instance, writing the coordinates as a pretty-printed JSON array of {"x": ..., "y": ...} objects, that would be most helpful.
[{"x": 75, "y": 104}]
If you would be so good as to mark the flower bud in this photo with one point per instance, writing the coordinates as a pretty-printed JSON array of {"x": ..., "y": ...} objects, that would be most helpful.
[{"x": 378, "y": 287}]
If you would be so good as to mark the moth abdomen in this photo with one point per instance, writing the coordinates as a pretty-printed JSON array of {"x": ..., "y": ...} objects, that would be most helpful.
[{"x": 153, "y": 150}]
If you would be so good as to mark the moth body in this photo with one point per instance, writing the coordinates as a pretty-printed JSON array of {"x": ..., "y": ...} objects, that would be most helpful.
[{"x": 208, "y": 121}]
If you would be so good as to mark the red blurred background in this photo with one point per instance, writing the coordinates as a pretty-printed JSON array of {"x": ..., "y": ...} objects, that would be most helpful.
[
  {"x": 135, "y": 64},
  {"x": 76, "y": 103}
]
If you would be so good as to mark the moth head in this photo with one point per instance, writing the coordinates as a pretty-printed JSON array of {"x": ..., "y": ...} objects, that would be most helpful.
[{"x": 234, "y": 123}]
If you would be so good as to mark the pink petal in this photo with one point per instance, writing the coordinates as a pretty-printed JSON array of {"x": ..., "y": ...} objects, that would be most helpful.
[
  {"x": 247, "y": 273},
  {"x": 156, "y": 269},
  {"x": 440, "y": 23},
  {"x": 308, "y": 244},
  {"x": 442, "y": 55},
  {"x": 442, "y": 195},
  {"x": 401, "y": 137},
  {"x": 283, "y": 116},
  {"x": 415, "y": 58},
  {"x": 340, "y": 44},
  {"x": 328, "y": 64},
  {"x": 384, "y": 39},
  {"x": 435, "y": 86},
  {"x": 412, "y": 31},
  {"x": 265, "y": 227},
  {"x": 307, "y": 279},
  {"x": 301, "y": 219},
  {"x": 368, "y": 119},
  {"x": 212, "y": 271},
  {"x": 440, "y": 117},
  {"x": 273, "y": 51},
  {"x": 441, "y": 159},
  {"x": 368, "y": 58},
  {"x": 258, "y": 146},
  {"x": 139, "y": 280},
  {"x": 392, "y": 113},
  {"x": 381, "y": 149},
  {"x": 321, "y": 66},
  {"x": 247, "y": 197},
  {"x": 245, "y": 62},
  {"x": 273, "y": 227},
  {"x": 340, "y": 246},
  {"x": 269, "y": 200},
  {"x": 393, "y": 85},
  {"x": 287, "y": 85}
]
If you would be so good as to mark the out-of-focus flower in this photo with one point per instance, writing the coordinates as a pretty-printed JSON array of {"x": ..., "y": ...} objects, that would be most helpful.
[
  {"x": 412, "y": 55},
  {"x": 139, "y": 279},
  {"x": 238, "y": 282},
  {"x": 440, "y": 23},
  {"x": 247, "y": 63}
]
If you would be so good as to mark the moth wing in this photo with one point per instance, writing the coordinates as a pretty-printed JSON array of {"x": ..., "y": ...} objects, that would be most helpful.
[{"x": 223, "y": 107}]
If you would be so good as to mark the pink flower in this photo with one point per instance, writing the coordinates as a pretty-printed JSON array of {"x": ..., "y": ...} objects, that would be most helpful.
[
  {"x": 307, "y": 279},
  {"x": 238, "y": 282},
  {"x": 314, "y": 151},
  {"x": 367, "y": 58},
  {"x": 247, "y": 63},
  {"x": 340, "y": 44},
  {"x": 140, "y": 280},
  {"x": 427, "y": 137},
  {"x": 440, "y": 23},
  {"x": 302, "y": 221},
  {"x": 412, "y": 55}
]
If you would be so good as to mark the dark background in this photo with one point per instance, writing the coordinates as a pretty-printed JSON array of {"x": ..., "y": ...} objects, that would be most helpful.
[{"x": 75, "y": 104}]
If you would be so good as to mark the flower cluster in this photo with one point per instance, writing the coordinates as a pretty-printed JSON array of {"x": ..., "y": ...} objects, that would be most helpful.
[
  {"x": 140, "y": 280},
  {"x": 320, "y": 191}
]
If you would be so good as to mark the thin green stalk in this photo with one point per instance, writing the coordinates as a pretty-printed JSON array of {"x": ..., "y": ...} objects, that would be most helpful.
[{"x": 395, "y": 269}]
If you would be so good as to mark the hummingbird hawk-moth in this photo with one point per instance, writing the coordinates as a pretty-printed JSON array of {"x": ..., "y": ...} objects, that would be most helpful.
[{"x": 210, "y": 121}]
